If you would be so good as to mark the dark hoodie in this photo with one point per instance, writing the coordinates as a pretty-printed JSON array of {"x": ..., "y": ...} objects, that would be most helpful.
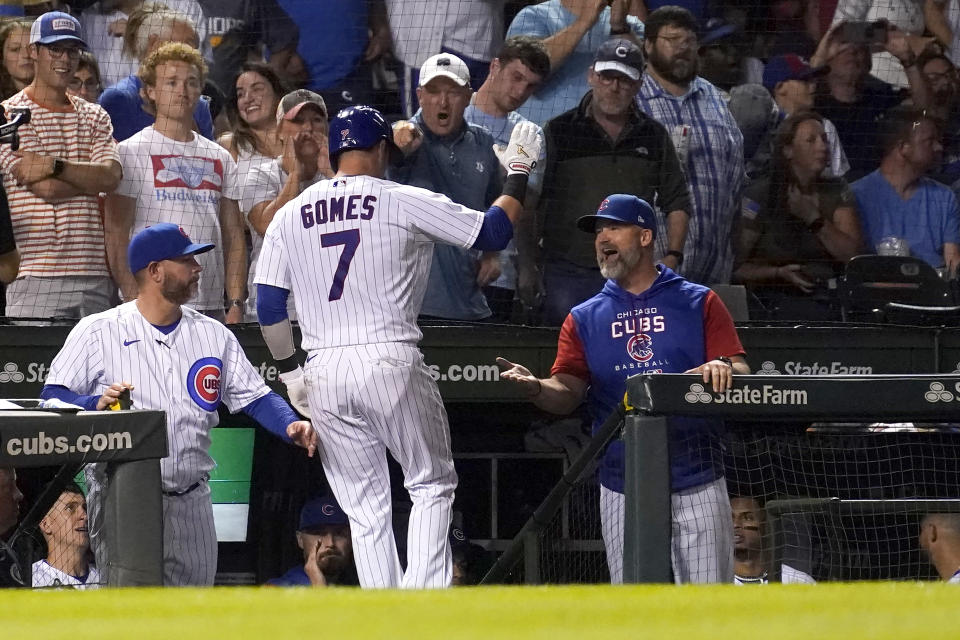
[{"x": 673, "y": 326}]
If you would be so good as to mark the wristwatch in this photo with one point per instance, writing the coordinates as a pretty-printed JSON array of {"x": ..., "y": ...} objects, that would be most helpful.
[
  {"x": 236, "y": 302},
  {"x": 676, "y": 254},
  {"x": 58, "y": 166},
  {"x": 725, "y": 360},
  {"x": 619, "y": 31}
]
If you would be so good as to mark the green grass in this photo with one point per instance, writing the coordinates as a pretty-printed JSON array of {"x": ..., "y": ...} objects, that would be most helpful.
[{"x": 874, "y": 610}]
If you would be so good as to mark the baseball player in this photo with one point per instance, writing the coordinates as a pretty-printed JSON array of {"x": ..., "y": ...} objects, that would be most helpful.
[
  {"x": 174, "y": 359},
  {"x": 356, "y": 250},
  {"x": 647, "y": 319},
  {"x": 64, "y": 530}
]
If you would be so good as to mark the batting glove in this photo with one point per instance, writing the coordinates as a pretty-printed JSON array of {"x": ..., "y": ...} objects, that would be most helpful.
[
  {"x": 521, "y": 153},
  {"x": 296, "y": 391}
]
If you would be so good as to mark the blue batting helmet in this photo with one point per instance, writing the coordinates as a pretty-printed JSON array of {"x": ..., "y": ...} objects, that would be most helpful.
[{"x": 359, "y": 127}]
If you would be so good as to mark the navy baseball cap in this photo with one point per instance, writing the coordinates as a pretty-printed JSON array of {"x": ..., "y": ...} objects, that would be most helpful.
[
  {"x": 161, "y": 242},
  {"x": 716, "y": 30},
  {"x": 622, "y": 208},
  {"x": 56, "y": 26},
  {"x": 320, "y": 512},
  {"x": 789, "y": 67},
  {"x": 620, "y": 55}
]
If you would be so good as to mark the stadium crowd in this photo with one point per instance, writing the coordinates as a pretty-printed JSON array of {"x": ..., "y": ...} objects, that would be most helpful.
[
  {"x": 800, "y": 134},
  {"x": 774, "y": 139}
]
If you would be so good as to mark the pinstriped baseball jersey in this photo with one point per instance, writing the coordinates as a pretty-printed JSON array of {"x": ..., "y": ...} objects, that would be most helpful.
[
  {"x": 356, "y": 253},
  {"x": 186, "y": 373}
]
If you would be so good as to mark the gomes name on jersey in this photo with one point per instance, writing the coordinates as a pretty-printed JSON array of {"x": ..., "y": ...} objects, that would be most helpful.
[{"x": 338, "y": 209}]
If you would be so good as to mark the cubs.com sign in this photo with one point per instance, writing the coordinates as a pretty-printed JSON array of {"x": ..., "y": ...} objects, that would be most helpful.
[{"x": 763, "y": 395}]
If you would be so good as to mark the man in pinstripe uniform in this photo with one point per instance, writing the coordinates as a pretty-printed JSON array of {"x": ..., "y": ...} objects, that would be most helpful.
[
  {"x": 356, "y": 251},
  {"x": 173, "y": 359}
]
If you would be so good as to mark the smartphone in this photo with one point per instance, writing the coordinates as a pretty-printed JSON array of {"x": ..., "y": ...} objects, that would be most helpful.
[{"x": 868, "y": 33}]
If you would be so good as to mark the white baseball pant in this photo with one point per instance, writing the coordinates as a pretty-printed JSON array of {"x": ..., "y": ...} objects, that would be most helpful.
[
  {"x": 701, "y": 541},
  {"x": 366, "y": 399}
]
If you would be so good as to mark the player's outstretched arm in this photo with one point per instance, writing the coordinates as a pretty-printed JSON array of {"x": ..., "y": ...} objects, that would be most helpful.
[{"x": 560, "y": 394}]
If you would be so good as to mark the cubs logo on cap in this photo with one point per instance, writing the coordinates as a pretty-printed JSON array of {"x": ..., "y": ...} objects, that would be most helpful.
[
  {"x": 320, "y": 512},
  {"x": 203, "y": 383},
  {"x": 621, "y": 207}
]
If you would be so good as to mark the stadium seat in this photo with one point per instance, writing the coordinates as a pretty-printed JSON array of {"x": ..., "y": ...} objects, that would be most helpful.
[{"x": 896, "y": 289}]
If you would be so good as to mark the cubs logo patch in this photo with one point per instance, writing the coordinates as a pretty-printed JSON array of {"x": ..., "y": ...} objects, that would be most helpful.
[
  {"x": 203, "y": 383},
  {"x": 327, "y": 509},
  {"x": 640, "y": 347}
]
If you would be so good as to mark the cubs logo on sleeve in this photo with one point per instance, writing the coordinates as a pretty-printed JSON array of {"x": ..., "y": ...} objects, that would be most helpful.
[
  {"x": 187, "y": 172},
  {"x": 203, "y": 383}
]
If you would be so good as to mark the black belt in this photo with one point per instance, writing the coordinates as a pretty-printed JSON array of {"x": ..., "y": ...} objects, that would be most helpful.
[{"x": 177, "y": 494}]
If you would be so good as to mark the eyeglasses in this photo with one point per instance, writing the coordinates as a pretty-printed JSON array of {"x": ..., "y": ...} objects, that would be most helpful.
[
  {"x": 91, "y": 85},
  {"x": 610, "y": 78},
  {"x": 58, "y": 51},
  {"x": 679, "y": 41},
  {"x": 937, "y": 77}
]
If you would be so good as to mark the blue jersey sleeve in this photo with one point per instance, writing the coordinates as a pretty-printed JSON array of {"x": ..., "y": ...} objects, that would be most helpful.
[
  {"x": 273, "y": 413},
  {"x": 495, "y": 232}
]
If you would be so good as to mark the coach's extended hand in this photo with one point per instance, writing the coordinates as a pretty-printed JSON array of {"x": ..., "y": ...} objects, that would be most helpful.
[{"x": 303, "y": 435}]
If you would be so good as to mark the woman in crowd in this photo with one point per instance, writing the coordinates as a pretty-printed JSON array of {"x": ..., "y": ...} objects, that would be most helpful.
[
  {"x": 252, "y": 111},
  {"x": 86, "y": 82},
  {"x": 252, "y": 140},
  {"x": 16, "y": 72},
  {"x": 798, "y": 228}
]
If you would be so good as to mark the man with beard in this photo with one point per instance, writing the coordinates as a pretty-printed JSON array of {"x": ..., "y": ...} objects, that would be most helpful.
[
  {"x": 605, "y": 145},
  {"x": 64, "y": 530},
  {"x": 174, "y": 359},
  {"x": 324, "y": 539},
  {"x": 940, "y": 539},
  {"x": 706, "y": 136},
  {"x": 647, "y": 319}
]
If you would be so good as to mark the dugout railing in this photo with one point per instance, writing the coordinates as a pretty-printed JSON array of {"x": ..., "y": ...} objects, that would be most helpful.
[{"x": 768, "y": 399}]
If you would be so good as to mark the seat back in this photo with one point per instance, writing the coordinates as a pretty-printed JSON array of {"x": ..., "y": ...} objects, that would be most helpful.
[{"x": 870, "y": 282}]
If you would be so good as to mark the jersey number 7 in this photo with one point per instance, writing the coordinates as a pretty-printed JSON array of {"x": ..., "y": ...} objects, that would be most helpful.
[{"x": 350, "y": 240}]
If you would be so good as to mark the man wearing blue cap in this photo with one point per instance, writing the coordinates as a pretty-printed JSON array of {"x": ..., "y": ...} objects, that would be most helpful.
[
  {"x": 324, "y": 538},
  {"x": 67, "y": 157},
  {"x": 174, "y": 359},
  {"x": 647, "y": 319}
]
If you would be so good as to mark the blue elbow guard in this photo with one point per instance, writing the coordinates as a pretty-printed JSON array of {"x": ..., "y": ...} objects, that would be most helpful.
[
  {"x": 495, "y": 232},
  {"x": 271, "y": 304}
]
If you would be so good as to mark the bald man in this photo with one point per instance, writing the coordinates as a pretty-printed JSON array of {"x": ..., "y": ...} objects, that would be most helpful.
[{"x": 940, "y": 539}]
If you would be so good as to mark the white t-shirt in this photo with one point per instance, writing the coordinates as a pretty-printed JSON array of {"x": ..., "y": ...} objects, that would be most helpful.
[
  {"x": 182, "y": 183},
  {"x": 263, "y": 183},
  {"x": 45, "y": 575}
]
